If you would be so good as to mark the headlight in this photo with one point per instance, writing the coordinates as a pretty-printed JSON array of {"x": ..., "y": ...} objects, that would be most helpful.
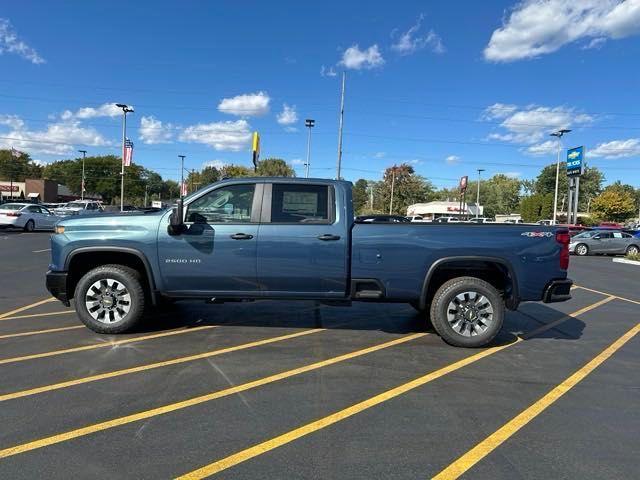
[{"x": 59, "y": 229}]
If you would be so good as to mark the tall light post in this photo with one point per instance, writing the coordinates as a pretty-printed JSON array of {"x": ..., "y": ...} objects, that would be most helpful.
[
  {"x": 480, "y": 170},
  {"x": 309, "y": 123},
  {"x": 559, "y": 135},
  {"x": 84, "y": 155},
  {"x": 125, "y": 109},
  {"x": 339, "y": 166},
  {"x": 393, "y": 183},
  {"x": 181, "y": 157}
]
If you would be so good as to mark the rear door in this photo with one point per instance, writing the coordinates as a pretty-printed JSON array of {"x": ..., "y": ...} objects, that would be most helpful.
[
  {"x": 303, "y": 242},
  {"x": 603, "y": 242}
]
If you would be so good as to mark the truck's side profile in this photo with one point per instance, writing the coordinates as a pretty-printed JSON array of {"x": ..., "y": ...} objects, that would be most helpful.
[{"x": 282, "y": 238}]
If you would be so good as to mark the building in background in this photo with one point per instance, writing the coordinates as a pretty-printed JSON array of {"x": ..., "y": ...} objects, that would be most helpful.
[
  {"x": 433, "y": 210},
  {"x": 39, "y": 190}
]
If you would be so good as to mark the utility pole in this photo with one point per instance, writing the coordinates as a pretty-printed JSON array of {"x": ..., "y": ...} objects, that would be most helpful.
[
  {"x": 181, "y": 157},
  {"x": 146, "y": 193},
  {"x": 559, "y": 135},
  {"x": 84, "y": 155},
  {"x": 340, "y": 128},
  {"x": 371, "y": 194},
  {"x": 393, "y": 182},
  {"x": 480, "y": 170},
  {"x": 125, "y": 109},
  {"x": 309, "y": 123}
]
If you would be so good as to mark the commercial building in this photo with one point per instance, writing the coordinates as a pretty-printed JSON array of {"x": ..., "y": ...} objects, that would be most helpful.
[
  {"x": 39, "y": 190},
  {"x": 433, "y": 210}
]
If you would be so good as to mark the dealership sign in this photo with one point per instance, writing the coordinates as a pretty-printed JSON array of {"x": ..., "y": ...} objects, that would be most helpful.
[
  {"x": 575, "y": 161},
  {"x": 9, "y": 188}
]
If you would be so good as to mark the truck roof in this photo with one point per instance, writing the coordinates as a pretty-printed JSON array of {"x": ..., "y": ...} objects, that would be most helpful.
[{"x": 283, "y": 180}]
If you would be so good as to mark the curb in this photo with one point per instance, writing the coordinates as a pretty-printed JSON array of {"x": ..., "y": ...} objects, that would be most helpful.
[{"x": 624, "y": 260}]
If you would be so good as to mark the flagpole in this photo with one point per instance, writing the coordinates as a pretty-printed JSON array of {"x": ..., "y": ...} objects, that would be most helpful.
[{"x": 125, "y": 109}]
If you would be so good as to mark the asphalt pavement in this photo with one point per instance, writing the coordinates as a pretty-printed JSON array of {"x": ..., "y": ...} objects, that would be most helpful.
[{"x": 296, "y": 390}]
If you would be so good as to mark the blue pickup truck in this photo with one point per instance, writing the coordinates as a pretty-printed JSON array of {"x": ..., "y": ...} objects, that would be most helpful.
[{"x": 282, "y": 238}]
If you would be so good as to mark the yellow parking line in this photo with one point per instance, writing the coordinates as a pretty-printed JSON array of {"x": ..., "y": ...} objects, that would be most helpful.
[
  {"x": 150, "y": 366},
  {"x": 104, "y": 344},
  {"x": 340, "y": 415},
  {"x": 493, "y": 441},
  {"x": 33, "y": 315},
  {"x": 610, "y": 294},
  {"x": 39, "y": 332},
  {"x": 26, "y": 307},
  {"x": 54, "y": 439}
]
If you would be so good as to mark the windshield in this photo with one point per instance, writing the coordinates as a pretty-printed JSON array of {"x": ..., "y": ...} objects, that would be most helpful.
[
  {"x": 588, "y": 234},
  {"x": 75, "y": 205},
  {"x": 11, "y": 206}
]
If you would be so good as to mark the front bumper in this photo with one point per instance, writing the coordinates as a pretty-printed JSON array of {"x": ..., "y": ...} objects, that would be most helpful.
[
  {"x": 557, "y": 291},
  {"x": 56, "y": 283}
]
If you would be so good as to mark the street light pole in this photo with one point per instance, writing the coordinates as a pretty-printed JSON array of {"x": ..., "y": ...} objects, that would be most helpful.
[
  {"x": 309, "y": 123},
  {"x": 181, "y": 157},
  {"x": 339, "y": 166},
  {"x": 559, "y": 135},
  {"x": 480, "y": 170},
  {"x": 84, "y": 155},
  {"x": 393, "y": 182},
  {"x": 125, "y": 109}
]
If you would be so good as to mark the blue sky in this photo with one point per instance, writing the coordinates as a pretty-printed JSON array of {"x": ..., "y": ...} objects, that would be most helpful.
[{"x": 446, "y": 86}]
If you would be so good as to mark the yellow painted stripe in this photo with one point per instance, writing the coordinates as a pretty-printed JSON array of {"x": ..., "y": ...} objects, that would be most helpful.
[
  {"x": 304, "y": 430},
  {"x": 150, "y": 366},
  {"x": 560, "y": 320},
  {"x": 33, "y": 315},
  {"x": 338, "y": 416},
  {"x": 26, "y": 307},
  {"x": 63, "y": 437},
  {"x": 609, "y": 294},
  {"x": 493, "y": 441},
  {"x": 103, "y": 344},
  {"x": 40, "y": 332}
]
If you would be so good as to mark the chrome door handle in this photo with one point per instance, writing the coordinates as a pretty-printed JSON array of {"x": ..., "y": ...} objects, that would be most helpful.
[
  {"x": 241, "y": 236},
  {"x": 328, "y": 237}
]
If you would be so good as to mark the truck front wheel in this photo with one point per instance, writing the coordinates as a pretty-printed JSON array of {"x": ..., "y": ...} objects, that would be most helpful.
[
  {"x": 467, "y": 312},
  {"x": 110, "y": 299}
]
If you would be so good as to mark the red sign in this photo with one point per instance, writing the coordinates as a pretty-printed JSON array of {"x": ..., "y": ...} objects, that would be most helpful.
[
  {"x": 453, "y": 209},
  {"x": 7, "y": 188}
]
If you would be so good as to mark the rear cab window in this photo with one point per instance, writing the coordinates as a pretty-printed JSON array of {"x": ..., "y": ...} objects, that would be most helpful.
[{"x": 300, "y": 203}]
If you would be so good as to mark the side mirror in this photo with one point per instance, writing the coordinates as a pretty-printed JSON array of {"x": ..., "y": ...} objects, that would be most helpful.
[{"x": 176, "y": 225}]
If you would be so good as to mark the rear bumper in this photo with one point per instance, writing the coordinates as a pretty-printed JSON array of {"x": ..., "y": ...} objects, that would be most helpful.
[
  {"x": 557, "y": 291},
  {"x": 56, "y": 283}
]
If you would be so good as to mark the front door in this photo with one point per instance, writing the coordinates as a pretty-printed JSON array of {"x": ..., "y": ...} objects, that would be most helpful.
[
  {"x": 303, "y": 242},
  {"x": 217, "y": 252}
]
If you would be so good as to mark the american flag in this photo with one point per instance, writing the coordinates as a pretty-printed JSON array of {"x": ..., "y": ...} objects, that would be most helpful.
[
  {"x": 128, "y": 153},
  {"x": 183, "y": 188}
]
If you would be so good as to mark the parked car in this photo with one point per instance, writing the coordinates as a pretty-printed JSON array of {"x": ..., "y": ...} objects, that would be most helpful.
[
  {"x": 604, "y": 242},
  {"x": 27, "y": 216},
  {"x": 416, "y": 218},
  {"x": 295, "y": 238},
  {"x": 79, "y": 207},
  {"x": 116, "y": 209},
  {"x": 481, "y": 220},
  {"x": 545, "y": 222},
  {"x": 575, "y": 229},
  {"x": 446, "y": 220},
  {"x": 382, "y": 219},
  {"x": 512, "y": 220}
]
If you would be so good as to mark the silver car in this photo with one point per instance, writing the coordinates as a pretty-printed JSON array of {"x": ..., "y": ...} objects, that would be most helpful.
[
  {"x": 79, "y": 207},
  {"x": 604, "y": 242},
  {"x": 27, "y": 216}
]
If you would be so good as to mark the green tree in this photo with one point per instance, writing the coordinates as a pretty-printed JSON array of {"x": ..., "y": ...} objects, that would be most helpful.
[
  {"x": 18, "y": 168},
  {"x": 234, "y": 171},
  {"x": 590, "y": 183},
  {"x": 360, "y": 196},
  {"x": 408, "y": 188},
  {"x": 499, "y": 195},
  {"x": 536, "y": 207},
  {"x": 274, "y": 167},
  {"x": 615, "y": 203}
]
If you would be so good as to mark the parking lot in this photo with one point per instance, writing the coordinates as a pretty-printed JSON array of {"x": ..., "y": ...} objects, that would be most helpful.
[{"x": 298, "y": 390}]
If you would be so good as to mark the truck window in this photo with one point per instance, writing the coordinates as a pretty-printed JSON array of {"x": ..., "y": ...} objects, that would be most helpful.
[
  {"x": 231, "y": 204},
  {"x": 292, "y": 203}
]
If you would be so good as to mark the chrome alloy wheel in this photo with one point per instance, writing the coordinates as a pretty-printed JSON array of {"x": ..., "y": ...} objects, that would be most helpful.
[
  {"x": 470, "y": 313},
  {"x": 582, "y": 249},
  {"x": 108, "y": 301}
]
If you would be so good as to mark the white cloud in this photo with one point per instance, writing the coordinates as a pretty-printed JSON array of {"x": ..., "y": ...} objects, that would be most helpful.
[
  {"x": 410, "y": 41},
  {"x": 247, "y": 105},
  {"x": 219, "y": 164},
  {"x": 153, "y": 131},
  {"x": 543, "y": 149},
  {"x": 59, "y": 138},
  {"x": 452, "y": 159},
  {"x": 297, "y": 161},
  {"x": 511, "y": 174},
  {"x": 532, "y": 124},
  {"x": 356, "y": 59},
  {"x": 617, "y": 149},
  {"x": 230, "y": 136},
  {"x": 288, "y": 115},
  {"x": 291, "y": 129},
  {"x": 104, "y": 110},
  {"x": 327, "y": 71},
  {"x": 380, "y": 154},
  {"x": 415, "y": 161},
  {"x": 539, "y": 27},
  {"x": 10, "y": 43},
  {"x": 12, "y": 121}
]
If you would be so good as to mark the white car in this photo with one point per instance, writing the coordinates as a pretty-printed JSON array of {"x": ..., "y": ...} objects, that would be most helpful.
[
  {"x": 481, "y": 220},
  {"x": 27, "y": 216},
  {"x": 447, "y": 220},
  {"x": 79, "y": 207}
]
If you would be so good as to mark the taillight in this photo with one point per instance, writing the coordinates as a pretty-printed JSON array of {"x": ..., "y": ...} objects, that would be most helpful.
[
  {"x": 563, "y": 238},
  {"x": 13, "y": 214}
]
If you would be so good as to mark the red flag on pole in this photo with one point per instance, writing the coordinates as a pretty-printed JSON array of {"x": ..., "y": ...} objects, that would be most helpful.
[
  {"x": 128, "y": 152},
  {"x": 183, "y": 189}
]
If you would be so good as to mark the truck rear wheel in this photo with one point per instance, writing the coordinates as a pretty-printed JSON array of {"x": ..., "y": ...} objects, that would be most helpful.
[
  {"x": 110, "y": 299},
  {"x": 467, "y": 312}
]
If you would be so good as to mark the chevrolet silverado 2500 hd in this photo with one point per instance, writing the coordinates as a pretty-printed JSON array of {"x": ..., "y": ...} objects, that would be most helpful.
[{"x": 283, "y": 238}]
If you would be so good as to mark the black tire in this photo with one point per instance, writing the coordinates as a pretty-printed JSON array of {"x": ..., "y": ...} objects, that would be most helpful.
[
  {"x": 581, "y": 250},
  {"x": 122, "y": 275},
  {"x": 633, "y": 250},
  {"x": 30, "y": 226},
  {"x": 485, "y": 331}
]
